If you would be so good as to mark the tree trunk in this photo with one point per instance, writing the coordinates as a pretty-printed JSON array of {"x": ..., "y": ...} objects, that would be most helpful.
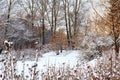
[
  {"x": 69, "y": 23},
  {"x": 52, "y": 21},
  {"x": 43, "y": 32},
  {"x": 116, "y": 47},
  {"x": 8, "y": 17},
  {"x": 66, "y": 21}
]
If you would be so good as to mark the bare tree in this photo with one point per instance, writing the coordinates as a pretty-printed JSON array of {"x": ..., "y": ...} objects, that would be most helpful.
[
  {"x": 10, "y": 2},
  {"x": 53, "y": 14},
  {"x": 30, "y": 10},
  {"x": 67, "y": 18},
  {"x": 75, "y": 21},
  {"x": 76, "y": 12},
  {"x": 42, "y": 5}
]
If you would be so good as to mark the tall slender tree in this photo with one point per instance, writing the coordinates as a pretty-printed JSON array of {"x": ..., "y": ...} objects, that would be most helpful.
[
  {"x": 114, "y": 19},
  {"x": 65, "y": 3},
  {"x": 77, "y": 4},
  {"x": 42, "y": 5},
  {"x": 8, "y": 15}
]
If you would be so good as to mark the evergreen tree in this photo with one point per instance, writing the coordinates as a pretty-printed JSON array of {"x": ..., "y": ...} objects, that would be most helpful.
[{"x": 113, "y": 17}]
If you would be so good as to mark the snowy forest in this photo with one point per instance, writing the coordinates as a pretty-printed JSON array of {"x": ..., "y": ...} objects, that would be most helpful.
[{"x": 59, "y": 39}]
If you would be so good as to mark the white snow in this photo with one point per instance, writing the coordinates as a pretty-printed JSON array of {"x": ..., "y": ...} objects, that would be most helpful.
[{"x": 50, "y": 59}]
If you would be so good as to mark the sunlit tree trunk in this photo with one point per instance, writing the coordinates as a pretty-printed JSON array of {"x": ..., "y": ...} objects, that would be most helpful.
[{"x": 114, "y": 18}]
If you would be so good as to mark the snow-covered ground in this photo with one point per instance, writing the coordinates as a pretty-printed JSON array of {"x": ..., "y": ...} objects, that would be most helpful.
[{"x": 49, "y": 59}]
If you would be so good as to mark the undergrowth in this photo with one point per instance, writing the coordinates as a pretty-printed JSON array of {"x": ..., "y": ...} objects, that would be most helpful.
[{"x": 106, "y": 68}]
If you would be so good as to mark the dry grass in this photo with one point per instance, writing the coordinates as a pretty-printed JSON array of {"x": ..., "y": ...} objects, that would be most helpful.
[{"x": 106, "y": 68}]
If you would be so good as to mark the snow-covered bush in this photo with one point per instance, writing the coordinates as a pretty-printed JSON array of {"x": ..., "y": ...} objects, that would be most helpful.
[{"x": 93, "y": 46}]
